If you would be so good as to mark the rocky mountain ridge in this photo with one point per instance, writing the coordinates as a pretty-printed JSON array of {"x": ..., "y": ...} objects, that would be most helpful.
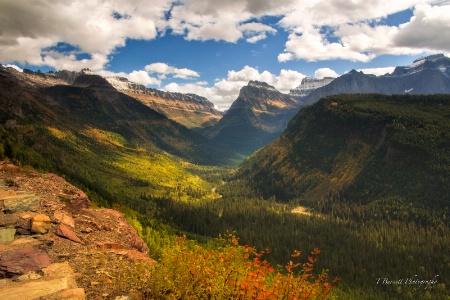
[
  {"x": 122, "y": 84},
  {"x": 53, "y": 245},
  {"x": 190, "y": 110},
  {"x": 426, "y": 75},
  {"x": 308, "y": 85}
]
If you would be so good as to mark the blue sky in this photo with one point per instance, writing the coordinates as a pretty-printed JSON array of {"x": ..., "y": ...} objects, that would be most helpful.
[{"x": 214, "y": 47}]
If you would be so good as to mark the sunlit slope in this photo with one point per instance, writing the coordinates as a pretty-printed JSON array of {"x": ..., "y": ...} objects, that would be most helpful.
[{"x": 103, "y": 139}]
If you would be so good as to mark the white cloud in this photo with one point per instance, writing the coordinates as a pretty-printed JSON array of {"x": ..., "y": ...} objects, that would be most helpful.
[
  {"x": 227, "y": 21},
  {"x": 94, "y": 28},
  {"x": 313, "y": 45},
  {"x": 185, "y": 73},
  {"x": 356, "y": 31},
  {"x": 378, "y": 71},
  {"x": 226, "y": 90},
  {"x": 318, "y": 30},
  {"x": 163, "y": 69},
  {"x": 325, "y": 72},
  {"x": 14, "y": 67},
  {"x": 256, "y": 31},
  {"x": 160, "y": 68},
  {"x": 429, "y": 29},
  {"x": 140, "y": 76}
]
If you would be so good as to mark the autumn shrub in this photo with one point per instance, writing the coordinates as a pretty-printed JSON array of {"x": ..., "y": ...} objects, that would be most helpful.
[{"x": 187, "y": 270}]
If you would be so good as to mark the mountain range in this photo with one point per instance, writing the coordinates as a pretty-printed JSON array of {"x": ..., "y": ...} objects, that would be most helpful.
[
  {"x": 190, "y": 110},
  {"x": 261, "y": 113},
  {"x": 426, "y": 75},
  {"x": 102, "y": 139},
  {"x": 371, "y": 169}
]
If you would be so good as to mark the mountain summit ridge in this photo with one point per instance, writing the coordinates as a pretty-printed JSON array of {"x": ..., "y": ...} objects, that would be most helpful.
[{"x": 426, "y": 75}]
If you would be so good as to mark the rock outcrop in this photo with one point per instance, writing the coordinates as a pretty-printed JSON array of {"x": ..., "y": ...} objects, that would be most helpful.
[{"x": 55, "y": 246}]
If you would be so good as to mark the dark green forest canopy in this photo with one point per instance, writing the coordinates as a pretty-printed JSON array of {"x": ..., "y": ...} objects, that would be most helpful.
[{"x": 362, "y": 148}]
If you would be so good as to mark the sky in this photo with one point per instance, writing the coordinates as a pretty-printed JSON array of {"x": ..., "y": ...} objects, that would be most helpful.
[{"x": 214, "y": 47}]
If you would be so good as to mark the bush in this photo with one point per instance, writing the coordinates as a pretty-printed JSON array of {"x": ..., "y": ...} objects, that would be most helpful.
[{"x": 189, "y": 271}]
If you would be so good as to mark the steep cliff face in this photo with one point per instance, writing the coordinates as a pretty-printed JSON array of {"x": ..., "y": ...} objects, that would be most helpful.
[
  {"x": 190, "y": 110},
  {"x": 52, "y": 243},
  {"x": 256, "y": 117},
  {"x": 308, "y": 85},
  {"x": 428, "y": 75}
]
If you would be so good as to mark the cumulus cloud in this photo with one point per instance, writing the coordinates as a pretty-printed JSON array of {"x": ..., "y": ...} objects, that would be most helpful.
[
  {"x": 356, "y": 29},
  {"x": 428, "y": 29},
  {"x": 378, "y": 71},
  {"x": 227, "y": 21},
  {"x": 138, "y": 76},
  {"x": 325, "y": 72},
  {"x": 163, "y": 69},
  {"x": 318, "y": 30},
  {"x": 226, "y": 90},
  {"x": 94, "y": 28},
  {"x": 312, "y": 46}
]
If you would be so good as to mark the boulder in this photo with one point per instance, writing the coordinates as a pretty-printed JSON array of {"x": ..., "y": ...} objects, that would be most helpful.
[
  {"x": 21, "y": 261},
  {"x": 64, "y": 218},
  {"x": 40, "y": 223},
  {"x": 7, "y": 235},
  {"x": 21, "y": 202},
  {"x": 64, "y": 231}
]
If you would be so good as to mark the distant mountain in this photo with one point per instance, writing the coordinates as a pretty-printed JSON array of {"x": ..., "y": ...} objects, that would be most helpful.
[
  {"x": 360, "y": 149},
  {"x": 427, "y": 75},
  {"x": 190, "y": 110},
  {"x": 308, "y": 85},
  {"x": 255, "y": 118}
]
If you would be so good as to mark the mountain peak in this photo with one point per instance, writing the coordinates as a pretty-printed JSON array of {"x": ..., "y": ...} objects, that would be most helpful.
[
  {"x": 308, "y": 85},
  {"x": 260, "y": 84},
  {"x": 434, "y": 57},
  {"x": 91, "y": 80},
  {"x": 438, "y": 62},
  {"x": 353, "y": 71}
]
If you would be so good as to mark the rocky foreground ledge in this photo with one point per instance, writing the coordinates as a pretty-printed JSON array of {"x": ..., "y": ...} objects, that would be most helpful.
[{"x": 53, "y": 245}]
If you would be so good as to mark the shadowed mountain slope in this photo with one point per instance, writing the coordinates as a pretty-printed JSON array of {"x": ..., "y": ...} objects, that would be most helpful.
[
  {"x": 255, "y": 118},
  {"x": 362, "y": 148}
]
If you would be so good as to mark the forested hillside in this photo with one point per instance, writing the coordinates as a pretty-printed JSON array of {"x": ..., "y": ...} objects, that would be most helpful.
[{"x": 361, "y": 149}]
